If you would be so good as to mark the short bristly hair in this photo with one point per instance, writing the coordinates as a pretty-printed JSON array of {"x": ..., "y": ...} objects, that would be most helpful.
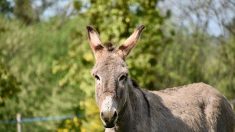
[{"x": 109, "y": 46}]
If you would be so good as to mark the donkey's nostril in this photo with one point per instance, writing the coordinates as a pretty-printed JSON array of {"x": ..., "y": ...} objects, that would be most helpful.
[
  {"x": 102, "y": 114},
  {"x": 114, "y": 116}
]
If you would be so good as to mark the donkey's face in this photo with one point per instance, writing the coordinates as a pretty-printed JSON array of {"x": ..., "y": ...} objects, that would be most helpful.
[{"x": 111, "y": 75}]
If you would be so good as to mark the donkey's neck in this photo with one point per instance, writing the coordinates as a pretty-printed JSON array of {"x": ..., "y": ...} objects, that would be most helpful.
[{"x": 135, "y": 109}]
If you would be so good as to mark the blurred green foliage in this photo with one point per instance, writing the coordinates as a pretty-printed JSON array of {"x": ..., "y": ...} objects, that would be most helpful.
[
  {"x": 5, "y": 7},
  {"x": 9, "y": 86},
  {"x": 45, "y": 65}
]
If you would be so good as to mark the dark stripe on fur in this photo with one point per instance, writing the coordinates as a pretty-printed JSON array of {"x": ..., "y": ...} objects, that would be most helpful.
[
  {"x": 135, "y": 84},
  {"x": 146, "y": 100}
]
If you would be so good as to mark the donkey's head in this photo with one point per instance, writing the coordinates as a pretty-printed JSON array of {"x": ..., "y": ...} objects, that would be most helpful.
[{"x": 111, "y": 75}]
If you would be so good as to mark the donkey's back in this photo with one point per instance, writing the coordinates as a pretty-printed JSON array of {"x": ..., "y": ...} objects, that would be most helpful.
[{"x": 195, "y": 107}]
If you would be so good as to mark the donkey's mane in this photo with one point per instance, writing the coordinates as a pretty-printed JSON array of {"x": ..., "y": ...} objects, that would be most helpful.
[{"x": 134, "y": 83}]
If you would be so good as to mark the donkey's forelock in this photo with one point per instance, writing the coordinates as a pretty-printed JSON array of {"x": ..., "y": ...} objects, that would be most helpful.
[{"x": 109, "y": 46}]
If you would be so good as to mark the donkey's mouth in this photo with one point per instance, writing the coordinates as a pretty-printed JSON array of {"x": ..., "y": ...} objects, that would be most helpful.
[{"x": 109, "y": 125}]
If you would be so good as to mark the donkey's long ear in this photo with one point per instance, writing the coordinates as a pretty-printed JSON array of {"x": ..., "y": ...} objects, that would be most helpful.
[
  {"x": 125, "y": 49},
  {"x": 94, "y": 40}
]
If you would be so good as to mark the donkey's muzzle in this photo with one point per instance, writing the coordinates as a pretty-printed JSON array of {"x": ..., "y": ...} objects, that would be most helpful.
[{"x": 109, "y": 118}]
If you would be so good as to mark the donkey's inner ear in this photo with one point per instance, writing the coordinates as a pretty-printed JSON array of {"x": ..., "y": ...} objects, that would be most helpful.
[
  {"x": 125, "y": 49},
  {"x": 94, "y": 39}
]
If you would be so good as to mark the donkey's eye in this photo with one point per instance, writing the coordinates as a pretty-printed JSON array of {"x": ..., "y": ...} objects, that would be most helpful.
[
  {"x": 97, "y": 77},
  {"x": 122, "y": 77}
]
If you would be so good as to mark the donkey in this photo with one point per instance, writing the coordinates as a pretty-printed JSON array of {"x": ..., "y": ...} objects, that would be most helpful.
[{"x": 124, "y": 107}]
